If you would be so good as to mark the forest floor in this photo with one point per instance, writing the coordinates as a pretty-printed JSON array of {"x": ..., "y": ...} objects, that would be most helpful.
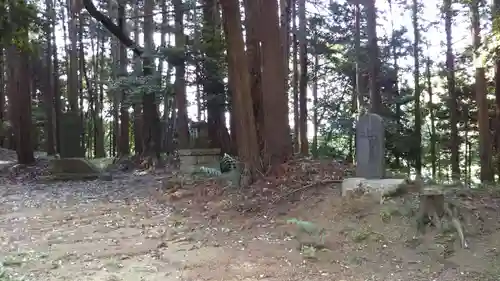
[{"x": 131, "y": 228}]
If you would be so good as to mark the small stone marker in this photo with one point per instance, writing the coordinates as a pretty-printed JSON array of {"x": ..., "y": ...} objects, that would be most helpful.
[{"x": 370, "y": 147}]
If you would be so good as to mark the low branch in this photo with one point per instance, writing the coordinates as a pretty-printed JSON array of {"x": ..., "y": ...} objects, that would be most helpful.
[{"x": 113, "y": 28}]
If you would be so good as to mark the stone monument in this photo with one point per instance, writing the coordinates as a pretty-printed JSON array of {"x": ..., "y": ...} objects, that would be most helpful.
[
  {"x": 71, "y": 135},
  {"x": 198, "y": 133},
  {"x": 200, "y": 152},
  {"x": 370, "y": 147}
]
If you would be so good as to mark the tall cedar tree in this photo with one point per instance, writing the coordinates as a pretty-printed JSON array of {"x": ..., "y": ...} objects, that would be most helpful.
[
  {"x": 374, "y": 64},
  {"x": 496, "y": 21},
  {"x": 180, "y": 81},
  {"x": 304, "y": 144},
  {"x": 248, "y": 149},
  {"x": 416, "y": 77},
  {"x": 19, "y": 94},
  {"x": 450, "y": 75},
  {"x": 277, "y": 146},
  {"x": 254, "y": 54},
  {"x": 483, "y": 118}
]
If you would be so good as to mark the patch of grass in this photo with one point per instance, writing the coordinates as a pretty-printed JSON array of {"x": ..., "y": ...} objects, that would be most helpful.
[
  {"x": 308, "y": 252},
  {"x": 446, "y": 234},
  {"x": 364, "y": 233},
  {"x": 361, "y": 235},
  {"x": 388, "y": 212},
  {"x": 491, "y": 272},
  {"x": 355, "y": 260},
  {"x": 5, "y": 276},
  {"x": 16, "y": 261},
  {"x": 12, "y": 262},
  {"x": 409, "y": 208},
  {"x": 113, "y": 278},
  {"x": 357, "y": 205},
  {"x": 413, "y": 243},
  {"x": 113, "y": 265}
]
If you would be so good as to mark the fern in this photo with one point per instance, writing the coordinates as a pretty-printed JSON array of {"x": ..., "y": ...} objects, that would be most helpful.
[
  {"x": 305, "y": 226},
  {"x": 318, "y": 233}
]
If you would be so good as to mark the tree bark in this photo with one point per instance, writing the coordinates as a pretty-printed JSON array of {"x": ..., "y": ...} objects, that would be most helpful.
[
  {"x": 248, "y": 149},
  {"x": 285, "y": 38},
  {"x": 486, "y": 174},
  {"x": 20, "y": 103},
  {"x": 49, "y": 90},
  {"x": 433, "y": 122},
  {"x": 496, "y": 20},
  {"x": 276, "y": 130},
  {"x": 450, "y": 73},
  {"x": 295, "y": 80},
  {"x": 416, "y": 77},
  {"x": 212, "y": 83},
  {"x": 374, "y": 64},
  {"x": 254, "y": 54},
  {"x": 315, "y": 104},
  {"x": 137, "y": 106},
  {"x": 2, "y": 92},
  {"x": 150, "y": 120},
  {"x": 180, "y": 81},
  {"x": 73, "y": 61},
  {"x": 114, "y": 95},
  {"x": 304, "y": 142},
  {"x": 124, "y": 141}
]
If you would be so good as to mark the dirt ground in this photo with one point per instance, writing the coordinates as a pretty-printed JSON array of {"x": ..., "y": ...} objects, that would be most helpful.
[{"x": 132, "y": 229}]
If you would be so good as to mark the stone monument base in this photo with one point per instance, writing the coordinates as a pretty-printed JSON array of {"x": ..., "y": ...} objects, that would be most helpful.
[
  {"x": 378, "y": 188},
  {"x": 190, "y": 158}
]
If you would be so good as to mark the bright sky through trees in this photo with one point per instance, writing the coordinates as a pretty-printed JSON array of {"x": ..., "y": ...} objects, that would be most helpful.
[{"x": 401, "y": 17}]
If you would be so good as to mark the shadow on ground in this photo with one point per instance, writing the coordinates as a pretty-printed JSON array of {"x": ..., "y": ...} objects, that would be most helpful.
[{"x": 131, "y": 228}]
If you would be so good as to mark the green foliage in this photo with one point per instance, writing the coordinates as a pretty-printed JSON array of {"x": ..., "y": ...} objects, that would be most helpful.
[
  {"x": 173, "y": 55},
  {"x": 489, "y": 49},
  {"x": 333, "y": 42},
  {"x": 18, "y": 19},
  {"x": 135, "y": 87}
]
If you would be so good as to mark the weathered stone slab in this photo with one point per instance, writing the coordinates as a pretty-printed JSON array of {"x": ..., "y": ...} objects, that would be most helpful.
[
  {"x": 199, "y": 151},
  {"x": 73, "y": 165},
  {"x": 377, "y": 187},
  {"x": 75, "y": 169},
  {"x": 370, "y": 147}
]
